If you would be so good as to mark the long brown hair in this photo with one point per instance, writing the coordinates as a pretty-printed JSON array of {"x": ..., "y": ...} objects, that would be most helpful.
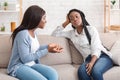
[{"x": 31, "y": 19}]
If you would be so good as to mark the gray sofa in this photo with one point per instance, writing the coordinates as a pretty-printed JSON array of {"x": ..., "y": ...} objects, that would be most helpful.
[{"x": 66, "y": 63}]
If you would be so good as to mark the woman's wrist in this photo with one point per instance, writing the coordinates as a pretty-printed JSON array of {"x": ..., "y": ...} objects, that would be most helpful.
[
  {"x": 65, "y": 24},
  {"x": 93, "y": 60}
]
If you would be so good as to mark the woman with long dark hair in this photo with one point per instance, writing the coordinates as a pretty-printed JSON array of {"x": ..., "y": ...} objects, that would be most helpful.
[
  {"x": 97, "y": 59},
  {"x": 24, "y": 62}
]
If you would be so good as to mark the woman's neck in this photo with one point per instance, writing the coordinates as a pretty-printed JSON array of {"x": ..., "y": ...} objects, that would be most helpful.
[
  {"x": 79, "y": 29},
  {"x": 31, "y": 32}
]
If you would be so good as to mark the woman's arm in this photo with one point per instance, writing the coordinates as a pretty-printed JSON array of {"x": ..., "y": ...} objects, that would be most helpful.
[
  {"x": 96, "y": 45},
  {"x": 66, "y": 22},
  {"x": 24, "y": 49},
  {"x": 43, "y": 47},
  {"x": 95, "y": 48},
  {"x": 25, "y": 53},
  {"x": 59, "y": 30}
]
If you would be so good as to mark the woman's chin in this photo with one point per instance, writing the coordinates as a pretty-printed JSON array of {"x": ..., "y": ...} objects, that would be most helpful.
[{"x": 41, "y": 27}]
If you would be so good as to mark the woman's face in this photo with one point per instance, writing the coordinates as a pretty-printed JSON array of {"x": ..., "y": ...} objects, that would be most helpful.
[
  {"x": 75, "y": 19},
  {"x": 42, "y": 22}
]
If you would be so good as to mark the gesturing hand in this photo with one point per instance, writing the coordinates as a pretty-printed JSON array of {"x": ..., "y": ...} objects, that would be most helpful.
[{"x": 54, "y": 48}]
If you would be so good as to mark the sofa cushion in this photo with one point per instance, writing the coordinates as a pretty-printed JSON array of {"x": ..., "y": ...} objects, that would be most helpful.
[
  {"x": 5, "y": 76},
  {"x": 108, "y": 39},
  {"x": 5, "y": 50},
  {"x": 55, "y": 58},
  {"x": 112, "y": 74},
  {"x": 112, "y": 42},
  {"x": 76, "y": 55},
  {"x": 66, "y": 72},
  {"x": 115, "y": 50}
]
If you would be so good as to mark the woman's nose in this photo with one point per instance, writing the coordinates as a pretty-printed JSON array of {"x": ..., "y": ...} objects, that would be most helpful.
[
  {"x": 75, "y": 19},
  {"x": 45, "y": 21}
]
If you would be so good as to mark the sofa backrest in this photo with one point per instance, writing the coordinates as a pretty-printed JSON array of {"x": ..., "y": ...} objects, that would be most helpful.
[
  {"x": 58, "y": 58},
  {"x": 50, "y": 59},
  {"x": 108, "y": 39},
  {"x": 69, "y": 54},
  {"x": 5, "y": 50}
]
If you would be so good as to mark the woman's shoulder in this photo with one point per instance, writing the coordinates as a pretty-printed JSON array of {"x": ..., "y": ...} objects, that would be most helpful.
[
  {"x": 91, "y": 28},
  {"x": 22, "y": 34}
]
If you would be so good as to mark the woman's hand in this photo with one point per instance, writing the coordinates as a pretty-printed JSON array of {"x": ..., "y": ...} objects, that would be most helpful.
[
  {"x": 89, "y": 67},
  {"x": 66, "y": 22},
  {"x": 54, "y": 48}
]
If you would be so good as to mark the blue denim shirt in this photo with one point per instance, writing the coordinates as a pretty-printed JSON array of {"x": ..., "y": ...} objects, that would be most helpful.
[{"x": 21, "y": 52}]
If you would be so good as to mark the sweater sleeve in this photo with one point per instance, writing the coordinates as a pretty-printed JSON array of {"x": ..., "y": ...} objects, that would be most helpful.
[
  {"x": 24, "y": 46},
  {"x": 42, "y": 47}
]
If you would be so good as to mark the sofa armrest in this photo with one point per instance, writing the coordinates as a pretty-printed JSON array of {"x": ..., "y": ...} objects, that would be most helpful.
[{"x": 115, "y": 50}]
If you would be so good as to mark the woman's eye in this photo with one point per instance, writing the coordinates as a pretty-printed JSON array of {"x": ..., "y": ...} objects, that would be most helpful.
[{"x": 76, "y": 16}]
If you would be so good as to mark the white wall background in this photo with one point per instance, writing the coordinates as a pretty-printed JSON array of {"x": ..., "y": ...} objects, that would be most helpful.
[
  {"x": 57, "y": 10},
  {"x": 7, "y": 17}
]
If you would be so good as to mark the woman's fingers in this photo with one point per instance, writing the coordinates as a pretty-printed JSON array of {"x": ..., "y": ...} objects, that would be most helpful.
[
  {"x": 88, "y": 68},
  {"x": 58, "y": 48},
  {"x": 55, "y": 48}
]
